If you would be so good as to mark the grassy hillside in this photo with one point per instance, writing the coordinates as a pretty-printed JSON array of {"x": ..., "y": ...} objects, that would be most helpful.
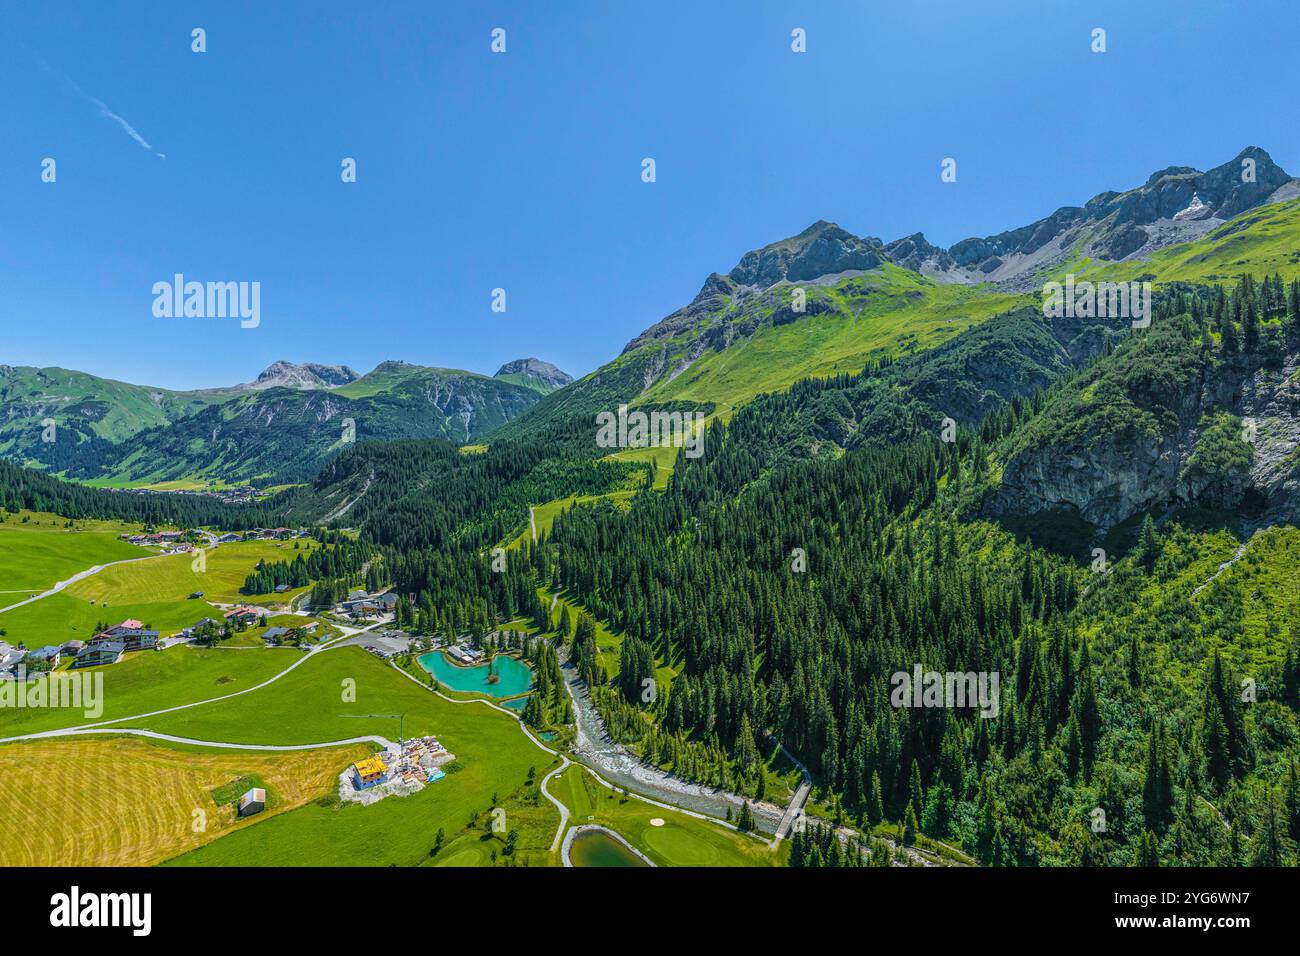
[
  {"x": 888, "y": 311},
  {"x": 146, "y": 681},
  {"x": 37, "y": 550},
  {"x": 154, "y": 590},
  {"x": 155, "y": 791},
  {"x": 493, "y": 759}
]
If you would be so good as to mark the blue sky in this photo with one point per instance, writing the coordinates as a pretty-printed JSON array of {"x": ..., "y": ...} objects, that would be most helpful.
[{"x": 522, "y": 170}]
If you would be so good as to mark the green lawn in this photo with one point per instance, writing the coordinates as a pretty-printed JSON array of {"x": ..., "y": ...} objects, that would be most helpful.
[
  {"x": 38, "y": 554},
  {"x": 493, "y": 756},
  {"x": 155, "y": 591},
  {"x": 146, "y": 681}
]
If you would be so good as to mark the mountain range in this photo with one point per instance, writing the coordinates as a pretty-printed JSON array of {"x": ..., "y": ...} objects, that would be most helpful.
[
  {"x": 277, "y": 429},
  {"x": 746, "y": 332}
]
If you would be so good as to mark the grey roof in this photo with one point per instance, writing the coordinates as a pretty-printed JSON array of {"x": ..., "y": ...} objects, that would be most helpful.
[
  {"x": 116, "y": 647},
  {"x": 275, "y": 631}
]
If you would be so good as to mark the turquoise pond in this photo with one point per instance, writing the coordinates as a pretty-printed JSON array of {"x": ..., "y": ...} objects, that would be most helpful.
[
  {"x": 516, "y": 677},
  {"x": 519, "y": 703}
]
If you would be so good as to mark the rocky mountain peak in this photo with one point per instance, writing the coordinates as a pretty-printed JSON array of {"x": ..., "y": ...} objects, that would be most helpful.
[
  {"x": 822, "y": 249},
  {"x": 284, "y": 374},
  {"x": 534, "y": 373}
]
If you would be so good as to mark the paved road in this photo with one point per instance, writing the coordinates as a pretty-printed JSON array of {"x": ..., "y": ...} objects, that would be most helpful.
[
  {"x": 370, "y": 738},
  {"x": 565, "y": 763},
  {"x": 611, "y": 761}
]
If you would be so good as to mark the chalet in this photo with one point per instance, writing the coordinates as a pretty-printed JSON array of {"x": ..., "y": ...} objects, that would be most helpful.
[
  {"x": 139, "y": 639},
  {"x": 131, "y": 634},
  {"x": 103, "y": 652},
  {"x": 73, "y": 648},
  {"x": 227, "y": 538},
  {"x": 48, "y": 653},
  {"x": 275, "y": 635},
  {"x": 196, "y": 627},
  {"x": 369, "y": 773},
  {"x": 254, "y": 801},
  {"x": 356, "y": 594},
  {"x": 195, "y": 595},
  {"x": 242, "y": 615},
  {"x": 281, "y": 588},
  {"x": 388, "y": 601}
]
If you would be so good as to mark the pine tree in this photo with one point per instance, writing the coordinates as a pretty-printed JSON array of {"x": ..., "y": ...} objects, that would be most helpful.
[
  {"x": 875, "y": 807},
  {"x": 1148, "y": 850},
  {"x": 1148, "y": 546},
  {"x": 909, "y": 825},
  {"x": 1270, "y": 840},
  {"x": 1293, "y": 803}
]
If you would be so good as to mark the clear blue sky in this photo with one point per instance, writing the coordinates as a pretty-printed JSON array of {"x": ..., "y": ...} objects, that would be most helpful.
[{"x": 522, "y": 170}]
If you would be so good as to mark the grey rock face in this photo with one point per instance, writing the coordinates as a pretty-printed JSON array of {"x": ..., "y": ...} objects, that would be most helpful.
[
  {"x": 1130, "y": 471},
  {"x": 537, "y": 371},
  {"x": 284, "y": 374},
  {"x": 821, "y": 249}
]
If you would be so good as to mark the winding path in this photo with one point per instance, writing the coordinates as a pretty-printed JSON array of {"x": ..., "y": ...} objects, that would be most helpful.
[
  {"x": 79, "y": 576},
  {"x": 1241, "y": 550},
  {"x": 68, "y": 731},
  {"x": 369, "y": 738}
]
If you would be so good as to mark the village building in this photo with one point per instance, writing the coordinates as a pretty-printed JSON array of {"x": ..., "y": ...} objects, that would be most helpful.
[
  {"x": 369, "y": 773},
  {"x": 48, "y": 653},
  {"x": 243, "y": 615},
  {"x": 98, "y": 653},
  {"x": 275, "y": 635}
]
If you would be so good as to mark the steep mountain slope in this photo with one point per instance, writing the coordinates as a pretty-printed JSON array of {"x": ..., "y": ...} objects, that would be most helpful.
[
  {"x": 826, "y": 302},
  {"x": 1166, "y": 422},
  {"x": 1175, "y": 205}
]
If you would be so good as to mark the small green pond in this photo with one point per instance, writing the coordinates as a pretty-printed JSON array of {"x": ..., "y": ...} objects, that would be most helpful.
[
  {"x": 598, "y": 848},
  {"x": 515, "y": 676}
]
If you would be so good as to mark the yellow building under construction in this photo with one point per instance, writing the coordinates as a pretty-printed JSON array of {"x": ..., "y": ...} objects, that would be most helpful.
[{"x": 369, "y": 772}]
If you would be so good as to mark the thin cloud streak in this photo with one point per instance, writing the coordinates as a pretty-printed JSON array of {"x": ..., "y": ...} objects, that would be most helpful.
[{"x": 104, "y": 111}]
